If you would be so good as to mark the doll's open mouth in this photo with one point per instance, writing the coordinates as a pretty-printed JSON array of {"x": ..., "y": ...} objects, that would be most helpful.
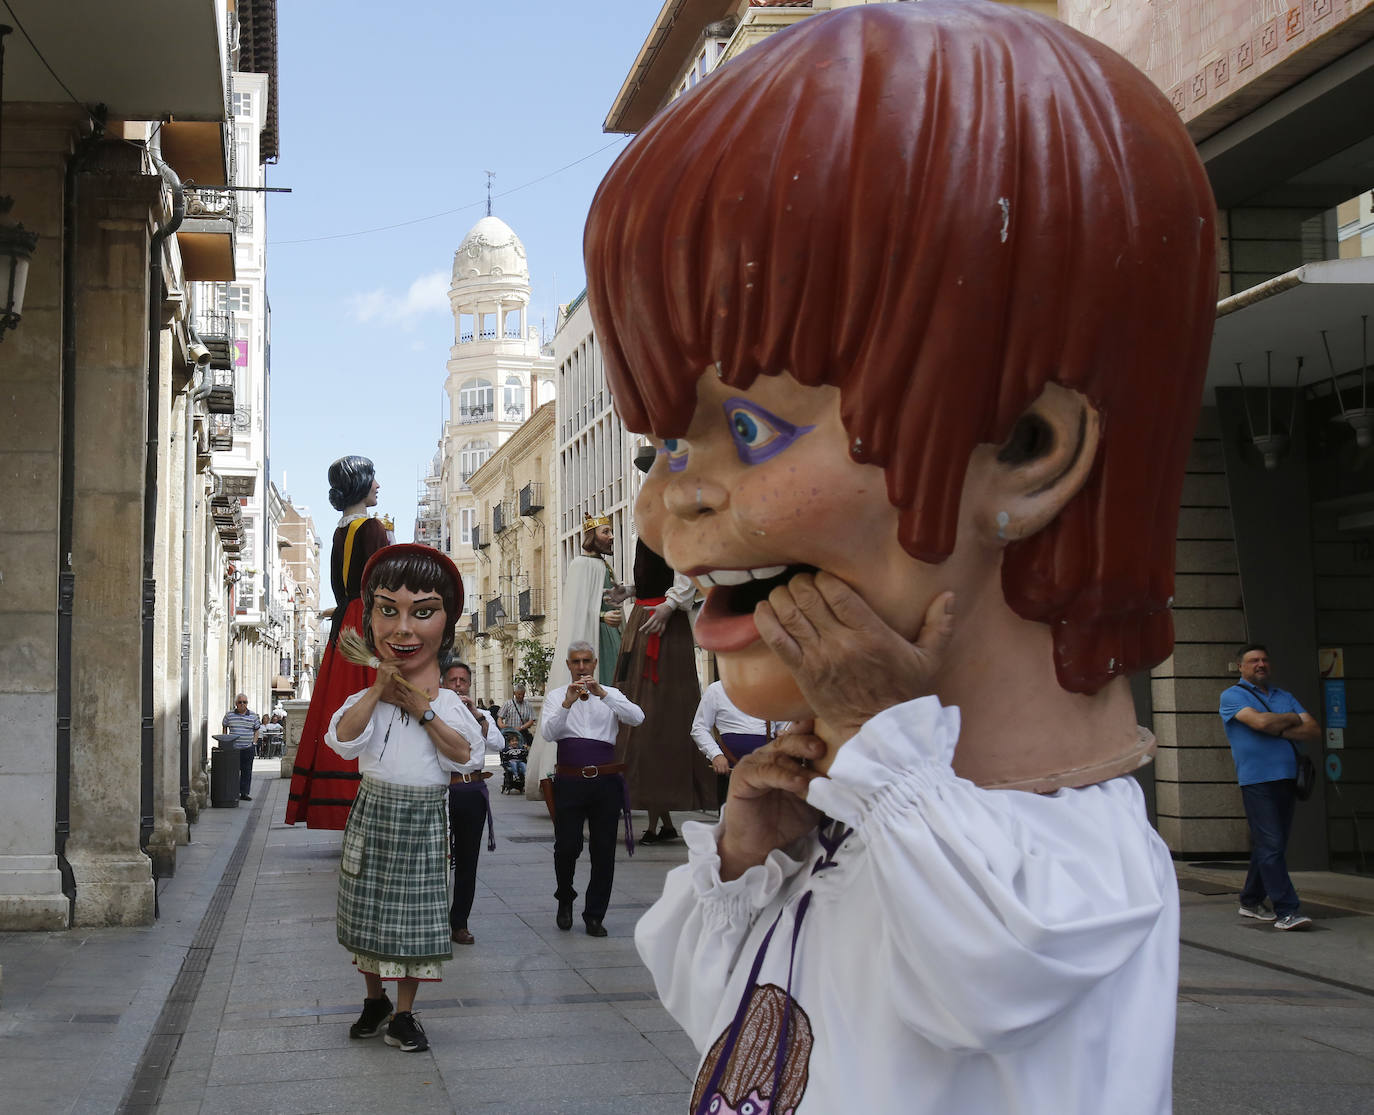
[
  {"x": 741, "y": 599},
  {"x": 403, "y": 650},
  {"x": 726, "y": 622}
]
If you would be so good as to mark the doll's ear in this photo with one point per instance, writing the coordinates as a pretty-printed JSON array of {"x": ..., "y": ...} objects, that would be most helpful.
[{"x": 1027, "y": 480}]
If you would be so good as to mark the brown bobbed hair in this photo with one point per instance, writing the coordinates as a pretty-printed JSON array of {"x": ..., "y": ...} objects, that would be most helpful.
[
  {"x": 419, "y": 568},
  {"x": 938, "y": 208}
]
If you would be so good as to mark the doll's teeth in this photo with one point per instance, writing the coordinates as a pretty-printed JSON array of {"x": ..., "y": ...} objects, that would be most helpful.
[{"x": 741, "y": 576}]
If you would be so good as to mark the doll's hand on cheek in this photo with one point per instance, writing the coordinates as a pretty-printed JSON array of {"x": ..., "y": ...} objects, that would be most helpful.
[{"x": 848, "y": 663}]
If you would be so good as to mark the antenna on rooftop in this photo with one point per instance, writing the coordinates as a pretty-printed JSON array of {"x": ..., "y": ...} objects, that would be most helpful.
[{"x": 491, "y": 176}]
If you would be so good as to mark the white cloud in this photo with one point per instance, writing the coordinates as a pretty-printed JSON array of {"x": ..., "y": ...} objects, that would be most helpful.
[{"x": 426, "y": 295}]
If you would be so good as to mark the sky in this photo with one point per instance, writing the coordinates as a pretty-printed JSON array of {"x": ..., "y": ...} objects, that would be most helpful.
[{"x": 388, "y": 116}]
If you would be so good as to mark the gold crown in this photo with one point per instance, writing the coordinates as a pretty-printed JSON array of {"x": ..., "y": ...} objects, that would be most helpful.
[
  {"x": 589, "y": 523},
  {"x": 388, "y": 522}
]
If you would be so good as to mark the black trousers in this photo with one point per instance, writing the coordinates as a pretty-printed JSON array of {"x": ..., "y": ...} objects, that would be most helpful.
[
  {"x": 597, "y": 803},
  {"x": 467, "y": 816},
  {"x": 246, "y": 757}
]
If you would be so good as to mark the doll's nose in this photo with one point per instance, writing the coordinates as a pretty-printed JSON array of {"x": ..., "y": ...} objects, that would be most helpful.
[{"x": 690, "y": 497}]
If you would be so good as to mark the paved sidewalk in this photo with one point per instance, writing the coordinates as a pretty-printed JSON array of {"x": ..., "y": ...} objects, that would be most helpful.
[{"x": 249, "y": 998}]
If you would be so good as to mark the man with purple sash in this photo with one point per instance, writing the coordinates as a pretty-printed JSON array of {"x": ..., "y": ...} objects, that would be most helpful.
[
  {"x": 740, "y": 733},
  {"x": 583, "y": 719}
]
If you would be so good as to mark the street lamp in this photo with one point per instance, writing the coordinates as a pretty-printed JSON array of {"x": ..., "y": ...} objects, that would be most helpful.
[{"x": 16, "y": 245}]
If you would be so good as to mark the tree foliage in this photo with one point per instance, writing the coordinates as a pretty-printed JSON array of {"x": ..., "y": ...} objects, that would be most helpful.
[{"x": 535, "y": 661}]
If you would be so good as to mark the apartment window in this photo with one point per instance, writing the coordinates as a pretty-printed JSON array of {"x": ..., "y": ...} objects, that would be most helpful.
[
  {"x": 472, "y": 457},
  {"x": 477, "y": 399},
  {"x": 467, "y": 517},
  {"x": 243, "y": 146},
  {"x": 235, "y": 298},
  {"x": 513, "y": 400},
  {"x": 242, "y": 104}
]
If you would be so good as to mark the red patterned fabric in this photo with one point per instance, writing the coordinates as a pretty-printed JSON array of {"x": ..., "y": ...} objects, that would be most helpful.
[
  {"x": 653, "y": 643},
  {"x": 323, "y": 785}
]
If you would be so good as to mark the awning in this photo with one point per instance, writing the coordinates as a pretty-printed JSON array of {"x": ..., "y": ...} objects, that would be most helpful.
[{"x": 1285, "y": 317}]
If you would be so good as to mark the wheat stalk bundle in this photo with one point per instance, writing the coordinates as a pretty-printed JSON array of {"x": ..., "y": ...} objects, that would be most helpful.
[{"x": 354, "y": 649}]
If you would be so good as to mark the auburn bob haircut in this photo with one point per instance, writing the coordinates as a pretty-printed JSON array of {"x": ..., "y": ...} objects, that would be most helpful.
[{"x": 938, "y": 208}]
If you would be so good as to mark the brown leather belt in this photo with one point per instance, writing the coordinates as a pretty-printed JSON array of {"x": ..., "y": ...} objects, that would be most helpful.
[
  {"x": 589, "y": 771},
  {"x": 480, "y": 776}
]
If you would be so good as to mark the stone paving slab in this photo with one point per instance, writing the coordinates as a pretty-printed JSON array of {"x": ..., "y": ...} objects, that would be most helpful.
[{"x": 535, "y": 1020}]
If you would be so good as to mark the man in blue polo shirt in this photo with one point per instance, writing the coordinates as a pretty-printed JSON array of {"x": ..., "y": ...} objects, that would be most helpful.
[
  {"x": 244, "y": 726},
  {"x": 1260, "y": 722}
]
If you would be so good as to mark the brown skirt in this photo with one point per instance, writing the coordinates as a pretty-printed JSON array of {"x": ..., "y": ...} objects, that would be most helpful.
[{"x": 664, "y": 768}]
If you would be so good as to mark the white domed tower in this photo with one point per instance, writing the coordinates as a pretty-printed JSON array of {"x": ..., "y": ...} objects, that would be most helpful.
[{"x": 497, "y": 375}]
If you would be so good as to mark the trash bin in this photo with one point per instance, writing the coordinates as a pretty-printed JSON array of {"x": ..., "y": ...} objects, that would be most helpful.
[{"x": 224, "y": 776}]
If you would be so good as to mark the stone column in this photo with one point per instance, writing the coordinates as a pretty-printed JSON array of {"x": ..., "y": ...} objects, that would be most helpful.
[
  {"x": 170, "y": 826},
  {"x": 113, "y": 878},
  {"x": 1199, "y": 807},
  {"x": 295, "y": 721},
  {"x": 203, "y": 580},
  {"x": 31, "y": 897}
]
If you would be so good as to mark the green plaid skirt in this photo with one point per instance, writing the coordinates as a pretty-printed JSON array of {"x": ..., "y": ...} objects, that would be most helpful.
[{"x": 393, "y": 873}]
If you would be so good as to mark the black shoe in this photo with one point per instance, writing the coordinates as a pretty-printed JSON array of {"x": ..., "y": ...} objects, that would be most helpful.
[
  {"x": 594, "y": 927},
  {"x": 244, "y": 797},
  {"x": 667, "y": 833},
  {"x": 405, "y": 1033},
  {"x": 564, "y": 919},
  {"x": 649, "y": 837},
  {"x": 369, "y": 1024}
]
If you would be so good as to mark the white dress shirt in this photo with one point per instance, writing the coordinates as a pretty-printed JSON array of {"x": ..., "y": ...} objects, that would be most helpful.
[
  {"x": 491, "y": 745},
  {"x": 682, "y": 592},
  {"x": 717, "y": 711},
  {"x": 594, "y": 718},
  {"x": 396, "y": 748}
]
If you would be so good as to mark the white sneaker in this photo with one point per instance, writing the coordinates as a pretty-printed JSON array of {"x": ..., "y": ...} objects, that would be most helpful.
[
  {"x": 1259, "y": 913},
  {"x": 1293, "y": 921}
]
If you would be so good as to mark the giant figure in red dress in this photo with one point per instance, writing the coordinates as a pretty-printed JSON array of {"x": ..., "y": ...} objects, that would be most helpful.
[{"x": 323, "y": 785}]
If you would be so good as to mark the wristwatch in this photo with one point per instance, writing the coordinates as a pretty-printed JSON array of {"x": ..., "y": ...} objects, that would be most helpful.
[{"x": 426, "y": 716}]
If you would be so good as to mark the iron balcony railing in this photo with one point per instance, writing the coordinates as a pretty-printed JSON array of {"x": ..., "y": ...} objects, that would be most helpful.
[
  {"x": 497, "y": 612},
  {"x": 532, "y": 498},
  {"x": 221, "y": 433},
  {"x": 531, "y": 604},
  {"x": 215, "y": 330},
  {"x": 220, "y": 400}
]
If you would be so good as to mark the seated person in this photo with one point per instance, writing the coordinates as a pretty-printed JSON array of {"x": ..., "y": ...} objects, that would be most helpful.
[{"x": 514, "y": 758}]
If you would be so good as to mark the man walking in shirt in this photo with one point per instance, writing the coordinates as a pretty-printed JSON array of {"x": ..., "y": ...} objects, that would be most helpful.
[
  {"x": 516, "y": 713},
  {"x": 1263, "y": 725},
  {"x": 469, "y": 805},
  {"x": 583, "y": 718},
  {"x": 244, "y": 726}
]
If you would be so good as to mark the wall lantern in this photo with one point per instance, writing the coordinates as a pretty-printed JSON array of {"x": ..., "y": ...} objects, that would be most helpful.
[
  {"x": 1360, "y": 418},
  {"x": 16, "y": 245},
  {"x": 1272, "y": 444}
]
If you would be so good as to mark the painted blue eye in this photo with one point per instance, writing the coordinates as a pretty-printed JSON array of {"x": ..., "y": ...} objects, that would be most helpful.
[
  {"x": 746, "y": 429},
  {"x": 759, "y": 434},
  {"x": 675, "y": 449}
]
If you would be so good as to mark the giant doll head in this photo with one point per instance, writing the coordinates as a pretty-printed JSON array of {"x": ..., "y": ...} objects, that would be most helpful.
[{"x": 919, "y": 295}]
